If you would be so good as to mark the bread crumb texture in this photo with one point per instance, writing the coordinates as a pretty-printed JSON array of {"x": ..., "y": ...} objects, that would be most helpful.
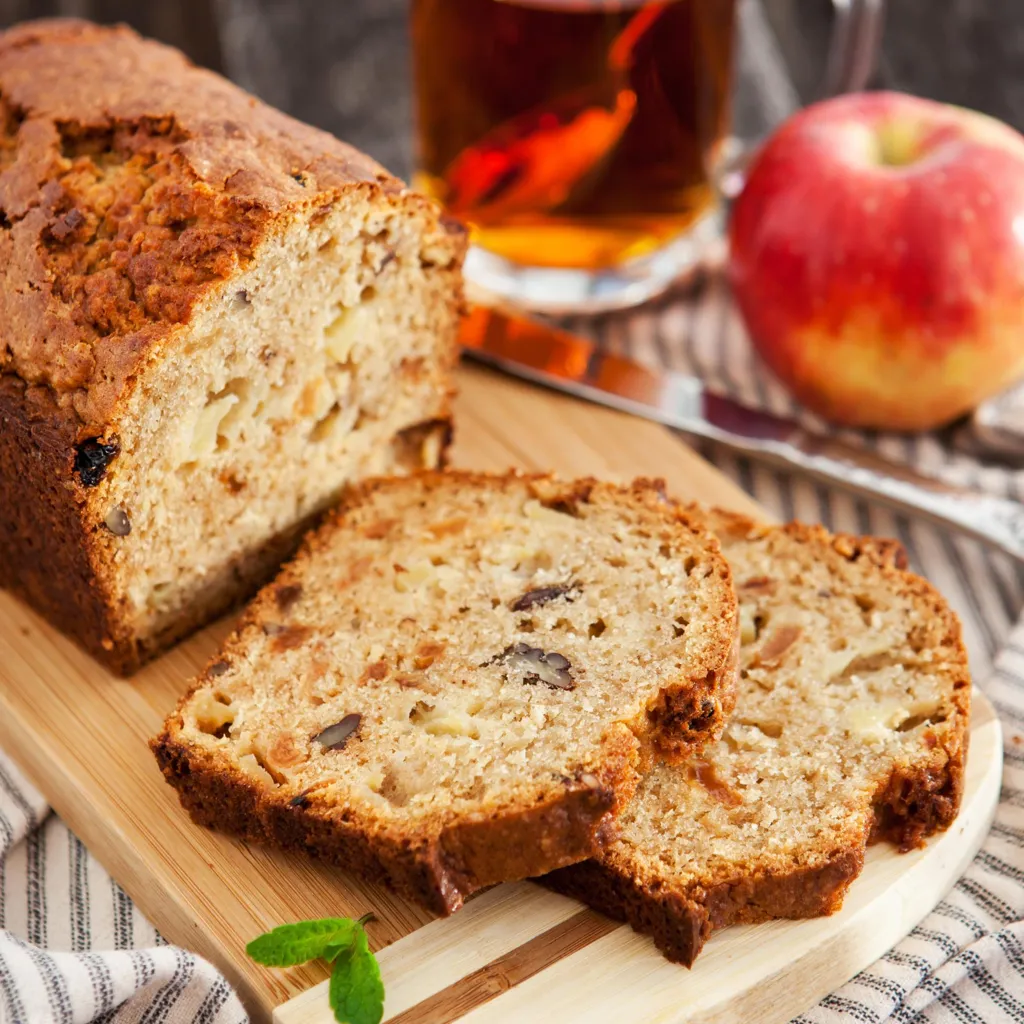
[
  {"x": 238, "y": 312},
  {"x": 850, "y": 726},
  {"x": 460, "y": 678}
]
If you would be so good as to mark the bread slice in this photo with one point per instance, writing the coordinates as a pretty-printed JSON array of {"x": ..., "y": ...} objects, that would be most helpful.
[
  {"x": 213, "y": 318},
  {"x": 460, "y": 678},
  {"x": 850, "y": 726}
]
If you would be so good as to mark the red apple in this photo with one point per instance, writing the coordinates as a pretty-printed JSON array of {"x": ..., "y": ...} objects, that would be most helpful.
[{"x": 877, "y": 255}]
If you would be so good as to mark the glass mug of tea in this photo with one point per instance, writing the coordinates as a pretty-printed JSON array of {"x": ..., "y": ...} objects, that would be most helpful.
[{"x": 589, "y": 143}]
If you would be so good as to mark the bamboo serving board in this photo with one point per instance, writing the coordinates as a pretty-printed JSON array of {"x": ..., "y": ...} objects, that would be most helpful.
[{"x": 512, "y": 952}]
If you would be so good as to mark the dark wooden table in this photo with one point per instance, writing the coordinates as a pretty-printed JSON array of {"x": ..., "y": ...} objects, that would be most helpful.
[{"x": 344, "y": 65}]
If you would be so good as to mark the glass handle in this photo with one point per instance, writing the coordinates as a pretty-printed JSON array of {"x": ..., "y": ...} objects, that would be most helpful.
[
  {"x": 856, "y": 37},
  {"x": 855, "y": 40}
]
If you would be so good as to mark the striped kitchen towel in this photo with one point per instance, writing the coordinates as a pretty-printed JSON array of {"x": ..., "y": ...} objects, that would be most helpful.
[{"x": 73, "y": 948}]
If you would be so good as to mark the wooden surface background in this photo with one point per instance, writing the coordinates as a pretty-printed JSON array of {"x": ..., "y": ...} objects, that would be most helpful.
[{"x": 343, "y": 65}]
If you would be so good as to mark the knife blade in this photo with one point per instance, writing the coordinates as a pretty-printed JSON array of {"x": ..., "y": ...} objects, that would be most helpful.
[{"x": 566, "y": 362}]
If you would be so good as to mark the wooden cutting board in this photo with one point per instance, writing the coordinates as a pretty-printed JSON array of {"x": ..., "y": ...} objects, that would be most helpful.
[{"x": 81, "y": 734}]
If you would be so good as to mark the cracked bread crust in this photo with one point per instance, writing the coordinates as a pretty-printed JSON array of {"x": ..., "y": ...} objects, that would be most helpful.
[
  {"x": 141, "y": 201},
  {"x": 902, "y": 799},
  {"x": 131, "y": 184},
  {"x": 472, "y": 784}
]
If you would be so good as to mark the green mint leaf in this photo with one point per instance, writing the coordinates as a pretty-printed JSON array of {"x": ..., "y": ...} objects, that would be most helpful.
[
  {"x": 356, "y": 990},
  {"x": 293, "y": 944}
]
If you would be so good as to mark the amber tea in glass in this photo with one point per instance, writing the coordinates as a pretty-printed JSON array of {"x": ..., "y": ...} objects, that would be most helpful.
[{"x": 572, "y": 134}]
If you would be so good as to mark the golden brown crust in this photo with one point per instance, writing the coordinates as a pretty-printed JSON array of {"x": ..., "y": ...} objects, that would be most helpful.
[
  {"x": 131, "y": 184},
  {"x": 910, "y": 802},
  {"x": 441, "y": 866},
  {"x": 684, "y": 720},
  {"x": 438, "y": 870},
  {"x": 681, "y": 922},
  {"x": 43, "y": 519}
]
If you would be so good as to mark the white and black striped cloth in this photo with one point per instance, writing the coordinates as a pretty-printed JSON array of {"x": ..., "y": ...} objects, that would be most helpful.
[{"x": 74, "y": 949}]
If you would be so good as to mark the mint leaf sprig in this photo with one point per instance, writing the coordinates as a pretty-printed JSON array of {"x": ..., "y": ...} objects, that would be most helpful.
[{"x": 356, "y": 991}]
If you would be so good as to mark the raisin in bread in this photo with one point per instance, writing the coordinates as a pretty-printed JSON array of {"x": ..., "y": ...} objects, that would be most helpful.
[
  {"x": 850, "y": 726},
  {"x": 212, "y": 318},
  {"x": 459, "y": 679}
]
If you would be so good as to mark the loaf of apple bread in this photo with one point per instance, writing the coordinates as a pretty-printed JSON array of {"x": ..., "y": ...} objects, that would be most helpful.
[
  {"x": 850, "y": 726},
  {"x": 212, "y": 318},
  {"x": 460, "y": 678}
]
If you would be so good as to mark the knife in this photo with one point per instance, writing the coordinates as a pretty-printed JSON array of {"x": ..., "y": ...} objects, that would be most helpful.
[{"x": 566, "y": 362}]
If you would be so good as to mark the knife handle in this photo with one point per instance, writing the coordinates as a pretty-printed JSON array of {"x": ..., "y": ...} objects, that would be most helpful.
[{"x": 994, "y": 520}]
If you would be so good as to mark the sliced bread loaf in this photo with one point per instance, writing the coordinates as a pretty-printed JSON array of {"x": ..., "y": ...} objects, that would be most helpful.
[
  {"x": 850, "y": 726},
  {"x": 460, "y": 678},
  {"x": 214, "y": 318}
]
